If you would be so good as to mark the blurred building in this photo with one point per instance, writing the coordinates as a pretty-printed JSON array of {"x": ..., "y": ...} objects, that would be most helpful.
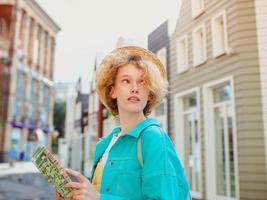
[
  {"x": 65, "y": 94},
  {"x": 158, "y": 43},
  {"x": 218, "y": 86},
  {"x": 27, "y": 48},
  {"x": 73, "y": 143},
  {"x": 95, "y": 117}
]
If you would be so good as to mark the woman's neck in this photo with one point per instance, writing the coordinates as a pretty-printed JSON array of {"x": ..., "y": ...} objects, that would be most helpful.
[{"x": 129, "y": 121}]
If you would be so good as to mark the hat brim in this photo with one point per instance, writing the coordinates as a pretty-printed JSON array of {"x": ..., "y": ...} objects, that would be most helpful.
[{"x": 138, "y": 51}]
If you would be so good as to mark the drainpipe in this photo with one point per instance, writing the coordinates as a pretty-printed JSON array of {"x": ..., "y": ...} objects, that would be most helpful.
[{"x": 100, "y": 120}]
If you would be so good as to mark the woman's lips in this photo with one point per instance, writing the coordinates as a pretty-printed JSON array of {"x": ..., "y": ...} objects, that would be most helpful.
[{"x": 133, "y": 99}]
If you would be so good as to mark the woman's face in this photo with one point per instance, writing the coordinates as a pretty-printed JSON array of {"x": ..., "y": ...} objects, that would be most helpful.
[{"x": 130, "y": 90}]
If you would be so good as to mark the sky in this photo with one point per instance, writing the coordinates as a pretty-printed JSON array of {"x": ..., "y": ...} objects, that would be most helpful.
[{"x": 90, "y": 27}]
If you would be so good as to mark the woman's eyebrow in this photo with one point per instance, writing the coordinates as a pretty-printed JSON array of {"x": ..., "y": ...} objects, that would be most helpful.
[{"x": 125, "y": 75}]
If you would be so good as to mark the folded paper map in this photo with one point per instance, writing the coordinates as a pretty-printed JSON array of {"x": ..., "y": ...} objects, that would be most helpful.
[{"x": 50, "y": 168}]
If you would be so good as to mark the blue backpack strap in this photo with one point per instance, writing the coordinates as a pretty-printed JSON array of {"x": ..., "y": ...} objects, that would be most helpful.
[{"x": 139, "y": 152}]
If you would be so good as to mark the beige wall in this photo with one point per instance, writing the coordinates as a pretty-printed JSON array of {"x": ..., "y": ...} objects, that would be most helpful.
[
  {"x": 261, "y": 18},
  {"x": 243, "y": 65}
]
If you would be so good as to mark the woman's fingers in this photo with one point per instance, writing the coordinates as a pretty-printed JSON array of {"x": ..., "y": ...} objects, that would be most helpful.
[
  {"x": 58, "y": 196},
  {"x": 78, "y": 197},
  {"x": 75, "y": 185},
  {"x": 76, "y": 193},
  {"x": 76, "y": 174}
]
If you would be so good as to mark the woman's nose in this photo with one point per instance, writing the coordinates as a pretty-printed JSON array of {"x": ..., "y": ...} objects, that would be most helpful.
[{"x": 134, "y": 88}]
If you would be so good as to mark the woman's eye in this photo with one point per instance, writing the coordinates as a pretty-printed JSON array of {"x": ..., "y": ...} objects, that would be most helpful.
[
  {"x": 142, "y": 82},
  {"x": 125, "y": 81}
]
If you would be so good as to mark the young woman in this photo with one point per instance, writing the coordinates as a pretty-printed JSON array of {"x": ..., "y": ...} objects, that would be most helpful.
[{"x": 136, "y": 160}]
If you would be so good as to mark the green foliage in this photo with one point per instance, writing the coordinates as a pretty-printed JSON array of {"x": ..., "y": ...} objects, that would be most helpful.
[
  {"x": 59, "y": 116},
  {"x": 59, "y": 122}
]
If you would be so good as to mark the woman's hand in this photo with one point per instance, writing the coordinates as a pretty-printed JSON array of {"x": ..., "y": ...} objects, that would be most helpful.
[
  {"x": 58, "y": 196},
  {"x": 83, "y": 188}
]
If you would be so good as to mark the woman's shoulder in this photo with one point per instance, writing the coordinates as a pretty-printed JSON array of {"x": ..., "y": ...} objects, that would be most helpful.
[{"x": 153, "y": 132}]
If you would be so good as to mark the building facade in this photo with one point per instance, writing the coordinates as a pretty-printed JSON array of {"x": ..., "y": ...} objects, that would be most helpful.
[
  {"x": 27, "y": 48},
  {"x": 158, "y": 43},
  {"x": 218, "y": 104},
  {"x": 71, "y": 144}
]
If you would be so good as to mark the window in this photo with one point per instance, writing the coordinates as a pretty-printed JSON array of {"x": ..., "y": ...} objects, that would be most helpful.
[
  {"x": 46, "y": 104},
  {"x": 197, "y": 7},
  {"x": 188, "y": 138},
  {"x": 199, "y": 45},
  {"x": 17, "y": 109},
  {"x": 21, "y": 85},
  {"x": 221, "y": 154},
  {"x": 35, "y": 50},
  {"x": 34, "y": 98},
  {"x": 219, "y": 34},
  {"x": 182, "y": 54},
  {"x": 162, "y": 55}
]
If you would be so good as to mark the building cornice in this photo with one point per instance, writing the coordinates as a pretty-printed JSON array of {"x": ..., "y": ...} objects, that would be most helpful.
[{"x": 42, "y": 14}]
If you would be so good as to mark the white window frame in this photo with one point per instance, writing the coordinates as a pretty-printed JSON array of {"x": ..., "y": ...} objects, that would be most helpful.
[
  {"x": 196, "y": 58},
  {"x": 216, "y": 49},
  {"x": 162, "y": 56},
  {"x": 197, "y": 8},
  {"x": 209, "y": 127},
  {"x": 185, "y": 67},
  {"x": 179, "y": 137}
]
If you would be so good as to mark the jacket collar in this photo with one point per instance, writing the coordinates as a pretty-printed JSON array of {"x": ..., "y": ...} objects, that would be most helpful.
[{"x": 135, "y": 132}]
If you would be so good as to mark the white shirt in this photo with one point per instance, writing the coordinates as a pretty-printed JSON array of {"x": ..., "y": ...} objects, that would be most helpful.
[{"x": 112, "y": 142}]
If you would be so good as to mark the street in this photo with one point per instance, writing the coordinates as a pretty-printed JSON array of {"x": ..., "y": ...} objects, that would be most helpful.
[{"x": 24, "y": 185}]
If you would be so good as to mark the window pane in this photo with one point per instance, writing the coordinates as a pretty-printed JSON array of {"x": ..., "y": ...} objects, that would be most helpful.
[
  {"x": 220, "y": 152},
  {"x": 222, "y": 93},
  {"x": 190, "y": 102},
  {"x": 188, "y": 148},
  {"x": 34, "y": 99},
  {"x": 192, "y": 151},
  {"x": 20, "y": 85},
  {"x": 197, "y": 155},
  {"x": 231, "y": 150}
]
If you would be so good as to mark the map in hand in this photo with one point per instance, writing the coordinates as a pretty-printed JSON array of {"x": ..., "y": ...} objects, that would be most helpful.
[{"x": 50, "y": 168}]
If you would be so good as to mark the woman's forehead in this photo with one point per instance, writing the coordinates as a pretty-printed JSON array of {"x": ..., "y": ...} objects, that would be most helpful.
[{"x": 130, "y": 70}]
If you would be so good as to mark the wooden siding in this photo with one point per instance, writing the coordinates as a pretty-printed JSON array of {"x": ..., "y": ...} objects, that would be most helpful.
[
  {"x": 261, "y": 18},
  {"x": 243, "y": 65}
]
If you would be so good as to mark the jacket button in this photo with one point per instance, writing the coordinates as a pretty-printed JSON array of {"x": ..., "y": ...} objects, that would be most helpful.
[
  {"x": 111, "y": 163},
  {"x": 107, "y": 189}
]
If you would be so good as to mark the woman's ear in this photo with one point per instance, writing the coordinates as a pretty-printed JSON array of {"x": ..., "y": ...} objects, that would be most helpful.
[{"x": 113, "y": 93}]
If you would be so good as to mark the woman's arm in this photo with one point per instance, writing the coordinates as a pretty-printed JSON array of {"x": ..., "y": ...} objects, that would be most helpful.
[{"x": 163, "y": 176}]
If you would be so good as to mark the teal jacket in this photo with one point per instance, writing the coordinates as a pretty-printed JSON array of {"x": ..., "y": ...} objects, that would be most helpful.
[{"x": 162, "y": 176}]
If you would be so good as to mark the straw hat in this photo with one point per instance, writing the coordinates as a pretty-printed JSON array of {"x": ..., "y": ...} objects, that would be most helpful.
[{"x": 135, "y": 51}]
